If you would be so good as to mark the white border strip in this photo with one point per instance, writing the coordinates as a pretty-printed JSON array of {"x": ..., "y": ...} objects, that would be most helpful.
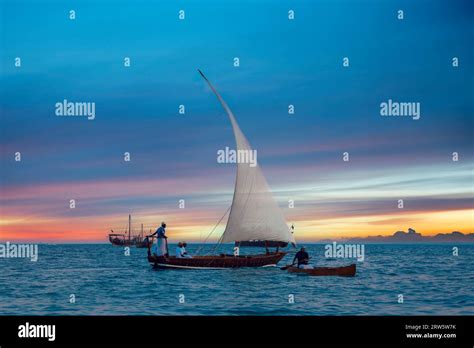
[{"x": 191, "y": 267}]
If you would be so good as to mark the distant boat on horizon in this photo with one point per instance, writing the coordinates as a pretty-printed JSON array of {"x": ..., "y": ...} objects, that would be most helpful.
[{"x": 127, "y": 238}]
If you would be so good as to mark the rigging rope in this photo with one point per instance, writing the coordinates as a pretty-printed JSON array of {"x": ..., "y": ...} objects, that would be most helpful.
[
  {"x": 219, "y": 242},
  {"x": 205, "y": 240}
]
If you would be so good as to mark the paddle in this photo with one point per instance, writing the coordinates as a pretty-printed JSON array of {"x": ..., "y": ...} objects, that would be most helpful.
[{"x": 288, "y": 266}]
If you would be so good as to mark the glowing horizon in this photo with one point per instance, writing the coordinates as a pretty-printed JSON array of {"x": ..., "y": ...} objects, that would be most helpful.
[
  {"x": 319, "y": 213},
  {"x": 303, "y": 229}
]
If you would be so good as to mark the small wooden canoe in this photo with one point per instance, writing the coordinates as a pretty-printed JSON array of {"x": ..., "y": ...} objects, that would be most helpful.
[{"x": 346, "y": 271}]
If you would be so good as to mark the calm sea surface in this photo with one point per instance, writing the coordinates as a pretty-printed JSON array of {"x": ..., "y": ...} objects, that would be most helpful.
[{"x": 106, "y": 282}]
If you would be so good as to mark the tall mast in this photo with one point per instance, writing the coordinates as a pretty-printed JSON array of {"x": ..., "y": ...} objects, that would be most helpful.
[
  {"x": 142, "y": 233},
  {"x": 129, "y": 225}
]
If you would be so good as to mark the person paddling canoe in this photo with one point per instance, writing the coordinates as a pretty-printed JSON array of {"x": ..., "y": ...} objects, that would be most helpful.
[{"x": 303, "y": 257}]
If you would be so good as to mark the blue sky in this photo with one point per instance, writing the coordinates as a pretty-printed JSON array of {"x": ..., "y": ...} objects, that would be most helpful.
[{"x": 282, "y": 62}]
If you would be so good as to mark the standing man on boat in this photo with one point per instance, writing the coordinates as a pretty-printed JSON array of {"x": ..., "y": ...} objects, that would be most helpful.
[
  {"x": 161, "y": 241},
  {"x": 303, "y": 257}
]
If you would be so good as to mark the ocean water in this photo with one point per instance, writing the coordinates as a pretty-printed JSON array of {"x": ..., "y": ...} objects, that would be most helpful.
[{"x": 106, "y": 282}]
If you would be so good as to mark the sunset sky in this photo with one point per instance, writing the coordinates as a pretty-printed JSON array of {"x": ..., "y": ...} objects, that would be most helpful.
[{"x": 282, "y": 62}]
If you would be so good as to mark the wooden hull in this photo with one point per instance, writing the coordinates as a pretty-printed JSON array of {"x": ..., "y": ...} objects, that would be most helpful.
[
  {"x": 346, "y": 271},
  {"x": 127, "y": 242},
  {"x": 217, "y": 262},
  {"x": 122, "y": 242}
]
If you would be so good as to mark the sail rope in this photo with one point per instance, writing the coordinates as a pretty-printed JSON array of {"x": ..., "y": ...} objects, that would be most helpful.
[
  {"x": 218, "y": 244},
  {"x": 212, "y": 231}
]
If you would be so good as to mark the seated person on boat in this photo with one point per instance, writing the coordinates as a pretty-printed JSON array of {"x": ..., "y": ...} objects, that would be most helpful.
[
  {"x": 303, "y": 257},
  {"x": 178, "y": 250},
  {"x": 181, "y": 251},
  {"x": 161, "y": 244}
]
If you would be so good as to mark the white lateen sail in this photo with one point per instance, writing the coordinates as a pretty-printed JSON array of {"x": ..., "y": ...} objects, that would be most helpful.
[{"x": 254, "y": 214}]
